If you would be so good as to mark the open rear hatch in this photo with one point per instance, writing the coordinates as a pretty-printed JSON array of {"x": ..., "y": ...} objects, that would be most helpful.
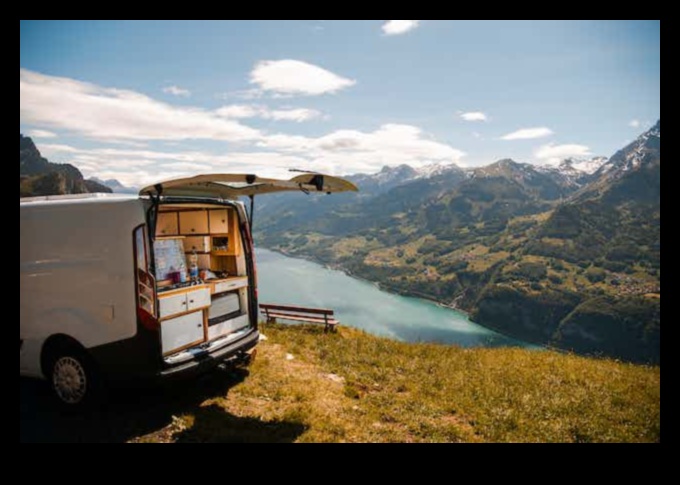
[
  {"x": 196, "y": 320},
  {"x": 233, "y": 186}
]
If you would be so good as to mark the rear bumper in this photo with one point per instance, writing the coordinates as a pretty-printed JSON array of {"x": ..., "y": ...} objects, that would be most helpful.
[
  {"x": 137, "y": 359},
  {"x": 233, "y": 352}
]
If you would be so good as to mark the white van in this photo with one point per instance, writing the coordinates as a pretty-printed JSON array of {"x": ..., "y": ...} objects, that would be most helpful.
[{"x": 106, "y": 280}]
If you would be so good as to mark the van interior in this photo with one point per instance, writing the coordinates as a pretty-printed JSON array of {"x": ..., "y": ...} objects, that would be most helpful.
[
  {"x": 200, "y": 269},
  {"x": 200, "y": 278}
]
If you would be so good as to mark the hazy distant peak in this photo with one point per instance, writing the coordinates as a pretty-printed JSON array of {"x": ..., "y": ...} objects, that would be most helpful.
[{"x": 115, "y": 185}]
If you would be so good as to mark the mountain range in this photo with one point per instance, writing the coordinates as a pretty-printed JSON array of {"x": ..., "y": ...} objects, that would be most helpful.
[
  {"x": 567, "y": 255},
  {"x": 38, "y": 176}
]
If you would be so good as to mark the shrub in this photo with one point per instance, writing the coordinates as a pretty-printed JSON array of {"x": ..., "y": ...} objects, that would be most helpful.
[
  {"x": 555, "y": 279},
  {"x": 595, "y": 275},
  {"x": 530, "y": 271}
]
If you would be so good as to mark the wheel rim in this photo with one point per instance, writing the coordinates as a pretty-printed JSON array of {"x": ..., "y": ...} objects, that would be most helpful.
[{"x": 69, "y": 380}]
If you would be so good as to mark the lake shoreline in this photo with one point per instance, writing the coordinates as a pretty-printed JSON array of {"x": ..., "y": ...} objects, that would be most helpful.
[{"x": 407, "y": 294}]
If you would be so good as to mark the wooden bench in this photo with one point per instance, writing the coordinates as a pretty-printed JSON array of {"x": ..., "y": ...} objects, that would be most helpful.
[{"x": 300, "y": 314}]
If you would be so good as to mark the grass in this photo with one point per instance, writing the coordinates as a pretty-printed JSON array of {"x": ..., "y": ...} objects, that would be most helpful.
[{"x": 307, "y": 386}]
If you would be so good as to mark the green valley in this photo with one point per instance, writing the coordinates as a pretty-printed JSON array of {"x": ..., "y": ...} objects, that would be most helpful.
[{"x": 531, "y": 251}]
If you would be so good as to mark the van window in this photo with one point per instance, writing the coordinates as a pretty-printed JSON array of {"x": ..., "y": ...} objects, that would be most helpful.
[{"x": 141, "y": 249}]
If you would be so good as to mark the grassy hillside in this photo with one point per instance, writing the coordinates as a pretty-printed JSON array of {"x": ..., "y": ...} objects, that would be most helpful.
[{"x": 307, "y": 386}]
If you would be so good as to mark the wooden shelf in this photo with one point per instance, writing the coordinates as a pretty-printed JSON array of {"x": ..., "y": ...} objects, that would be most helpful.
[{"x": 222, "y": 253}]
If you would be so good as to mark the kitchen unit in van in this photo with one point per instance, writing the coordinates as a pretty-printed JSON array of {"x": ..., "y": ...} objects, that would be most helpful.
[{"x": 195, "y": 313}]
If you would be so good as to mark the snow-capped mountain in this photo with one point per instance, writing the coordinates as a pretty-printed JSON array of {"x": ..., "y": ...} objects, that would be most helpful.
[
  {"x": 389, "y": 177},
  {"x": 641, "y": 152},
  {"x": 573, "y": 172},
  {"x": 587, "y": 166},
  {"x": 435, "y": 169},
  {"x": 570, "y": 174}
]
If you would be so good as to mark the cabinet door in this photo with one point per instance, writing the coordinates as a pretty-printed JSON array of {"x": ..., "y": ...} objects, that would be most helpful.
[
  {"x": 219, "y": 222},
  {"x": 200, "y": 244},
  {"x": 181, "y": 332},
  {"x": 170, "y": 305},
  {"x": 193, "y": 222},
  {"x": 166, "y": 225},
  {"x": 198, "y": 298}
]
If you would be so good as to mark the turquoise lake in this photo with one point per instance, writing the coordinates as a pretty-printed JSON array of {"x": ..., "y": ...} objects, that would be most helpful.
[{"x": 291, "y": 281}]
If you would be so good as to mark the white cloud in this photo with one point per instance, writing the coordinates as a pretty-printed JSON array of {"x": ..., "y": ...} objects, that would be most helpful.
[
  {"x": 126, "y": 117},
  {"x": 350, "y": 151},
  {"x": 177, "y": 91},
  {"x": 634, "y": 123},
  {"x": 294, "y": 114},
  {"x": 238, "y": 111},
  {"x": 528, "y": 133},
  {"x": 554, "y": 154},
  {"x": 340, "y": 152},
  {"x": 290, "y": 77},
  {"x": 396, "y": 27},
  {"x": 474, "y": 116},
  {"x": 116, "y": 114},
  {"x": 137, "y": 168},
  {"x": 42, "y": 134}
]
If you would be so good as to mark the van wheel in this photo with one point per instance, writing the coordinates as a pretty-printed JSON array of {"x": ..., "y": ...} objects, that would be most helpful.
[{"x": 72, "y": 378}]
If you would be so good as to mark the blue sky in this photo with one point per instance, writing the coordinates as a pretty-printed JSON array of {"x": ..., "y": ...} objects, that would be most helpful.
[{"x": 143, "y": 101}]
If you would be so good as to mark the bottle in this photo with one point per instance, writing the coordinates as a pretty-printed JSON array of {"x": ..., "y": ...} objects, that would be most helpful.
[{"x": 193, "y": 265}]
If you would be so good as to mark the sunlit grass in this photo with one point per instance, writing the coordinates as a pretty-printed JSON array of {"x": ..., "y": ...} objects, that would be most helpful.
[{"x": 354, "y": 387}]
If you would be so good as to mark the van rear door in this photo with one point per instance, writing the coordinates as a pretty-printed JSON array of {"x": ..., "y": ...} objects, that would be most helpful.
[{"x": 233, "y": 186}]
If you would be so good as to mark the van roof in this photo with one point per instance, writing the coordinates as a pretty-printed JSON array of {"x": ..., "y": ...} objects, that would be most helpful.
[{"x": 76, "y": 198}]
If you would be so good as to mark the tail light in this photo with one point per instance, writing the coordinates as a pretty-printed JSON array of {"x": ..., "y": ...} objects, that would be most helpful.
[{"x": 147, "y": 320}]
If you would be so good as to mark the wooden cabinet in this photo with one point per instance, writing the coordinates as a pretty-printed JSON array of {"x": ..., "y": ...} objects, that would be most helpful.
[
  {"x": 166, "y": 225},
  {"x": 193, "y": 222},
  {"x": 219, "y": 221},
  {"x": 200, "y": 244},
  {"x": 182, "y": 301},
  {"x": 182, "y": 332},
  {"x": 172, "y": 304},
  {"x": 198, "y": 299},
  {"x": 182, "y": 314}
]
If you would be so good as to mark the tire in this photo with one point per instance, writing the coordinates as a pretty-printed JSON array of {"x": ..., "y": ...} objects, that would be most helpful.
[{"x": 72, "y": 378}]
